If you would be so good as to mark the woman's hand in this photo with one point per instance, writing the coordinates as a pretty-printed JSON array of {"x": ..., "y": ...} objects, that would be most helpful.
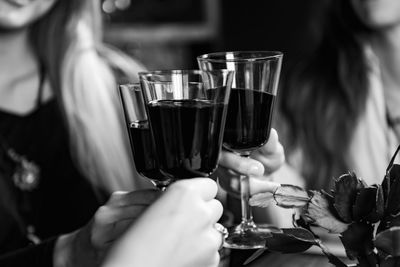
[
  {"x": 259, "y": 167},
  {"x": 87, "y": 246},
  {"x": 177, "y": 230}
]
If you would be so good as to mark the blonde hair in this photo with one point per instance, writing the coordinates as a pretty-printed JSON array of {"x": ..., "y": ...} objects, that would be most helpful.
[{"x": 81, "y": 71}]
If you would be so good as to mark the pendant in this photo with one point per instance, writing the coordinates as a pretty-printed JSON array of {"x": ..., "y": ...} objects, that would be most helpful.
[{"x": 26, "y": 174}]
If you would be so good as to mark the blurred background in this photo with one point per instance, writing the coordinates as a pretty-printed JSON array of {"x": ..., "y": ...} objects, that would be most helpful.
[{"x": 169, "y": 34}]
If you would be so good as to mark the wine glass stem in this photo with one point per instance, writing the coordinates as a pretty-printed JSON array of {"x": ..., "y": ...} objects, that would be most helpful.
[
  {"x": 247, "y": 217},
  {"x": 245, "y": 195}
]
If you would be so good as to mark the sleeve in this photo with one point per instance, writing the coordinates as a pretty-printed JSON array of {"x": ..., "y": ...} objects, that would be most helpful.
[{"x": 36, "y": 255}]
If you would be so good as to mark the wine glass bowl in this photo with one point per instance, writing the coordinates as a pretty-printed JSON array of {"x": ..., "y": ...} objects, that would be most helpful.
[
  {"x": 140, "y": 136},
  {"x": 248, "y": 122},
  {"x": 187, "y": 111}
]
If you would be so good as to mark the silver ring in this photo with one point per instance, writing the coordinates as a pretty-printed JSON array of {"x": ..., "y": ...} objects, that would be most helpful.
[{"x": 223, "y": 231}]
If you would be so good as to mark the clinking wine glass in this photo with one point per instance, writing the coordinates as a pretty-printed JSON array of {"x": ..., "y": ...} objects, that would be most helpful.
[
  {"x": 140, "y": 136},
  {"x": 187, "y": 111},
  {"x": 248, "y": 123}
]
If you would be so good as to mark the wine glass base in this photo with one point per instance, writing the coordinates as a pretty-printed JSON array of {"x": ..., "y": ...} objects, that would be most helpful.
[{"x": 253, "y": 238}]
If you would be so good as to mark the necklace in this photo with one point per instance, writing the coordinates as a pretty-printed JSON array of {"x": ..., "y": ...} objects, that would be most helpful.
[{"x": 26, "y": 173}]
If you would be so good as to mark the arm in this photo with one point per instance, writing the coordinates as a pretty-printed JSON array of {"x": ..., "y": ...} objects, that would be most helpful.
[{"x": 88, "y": 246}]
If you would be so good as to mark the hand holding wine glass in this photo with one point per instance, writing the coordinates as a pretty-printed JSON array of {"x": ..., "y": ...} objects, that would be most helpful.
[
  {"x": 177, "y": 230},
  {"x": 88, "y": 245},
  {"x": 248, "y": 122},
  {"x": 260, "y": 167}
]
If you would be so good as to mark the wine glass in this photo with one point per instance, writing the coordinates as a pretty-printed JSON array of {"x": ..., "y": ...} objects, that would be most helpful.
[
  {"x": 248, "y": 122},
  {"x": 187, "y": 111},
  {"x": 140, "y": 137}
]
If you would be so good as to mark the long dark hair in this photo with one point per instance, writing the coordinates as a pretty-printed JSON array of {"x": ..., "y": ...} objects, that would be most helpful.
[{"x": 325, "y": 94}]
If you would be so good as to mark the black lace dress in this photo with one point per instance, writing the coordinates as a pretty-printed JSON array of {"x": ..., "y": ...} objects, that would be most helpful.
[{"x": 62, "y": 201}]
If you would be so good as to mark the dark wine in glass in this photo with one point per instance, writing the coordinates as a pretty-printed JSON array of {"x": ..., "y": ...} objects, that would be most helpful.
[
  {"x": 187, "y": 111},
  {"x": 143, "y": 150},
  {"x": 140, "y": 136},
  {"x": 248, "y": 124},
  {"x": 189, "y": 134}
]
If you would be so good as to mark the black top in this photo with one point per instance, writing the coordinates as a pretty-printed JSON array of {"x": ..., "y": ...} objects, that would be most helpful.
[{"x": 63, "y": 200}]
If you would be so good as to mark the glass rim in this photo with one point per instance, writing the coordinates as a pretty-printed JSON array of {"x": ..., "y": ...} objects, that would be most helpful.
[
  {"x": 129, "y": 84},
  {"x": 246, "y": 56},
  {"x": 177, "y": 71}
]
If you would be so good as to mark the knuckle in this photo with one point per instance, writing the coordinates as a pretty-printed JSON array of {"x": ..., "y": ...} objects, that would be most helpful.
[
  {"x": 179, "y": 187},
  {"x": 214, "y": 261},
  {"x": 214, "y": 240},
  {"x": 219, "y": 208},
  {"x": 101, "y": 213},
  {"x": 215, "y": 209},
  {"x": 274, "y": 134}
]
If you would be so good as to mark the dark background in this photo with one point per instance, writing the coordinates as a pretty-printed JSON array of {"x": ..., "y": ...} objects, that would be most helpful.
[{"x": 284, "y": 25}]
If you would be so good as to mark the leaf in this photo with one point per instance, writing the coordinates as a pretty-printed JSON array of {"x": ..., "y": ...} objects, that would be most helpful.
[
  {"x": 357, "y": 240},
  {"x": 301, "y": 222},
  {"x": 332, "y": 258},
  {"x": 388, "y": 222},
  {"x": 262, "y": 200},
  {"x": 300, "y": 234},
  {"x": 346, "y": 188},
  {"x": 319, "y": 212},
  {"x": 379, "y": 210},
  {"x": 255, "y": 255},
  {"x": 393, "y": 192},
  {"x": 389, "y": 241},
  {"x": 369, "y": 204},
  {"x": 291, "y": 196},
  {"x": 285, "y": 196},
  {"x": 392, "y": 175},
  {"x": 393, "y": 158},
  {"x": 290, "y": 240}
]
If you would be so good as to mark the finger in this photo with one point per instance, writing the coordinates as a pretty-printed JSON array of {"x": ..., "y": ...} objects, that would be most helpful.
[
  {"x": 216, "y": 209},
  {"x": 273, "y": 141},
  {"x": 109, "y": 215},
  {"x": 206, "y": 188},
  {"x": 228, "y": 180},
  {"x": 141, "y": 197},
  {"x": 116, "y": 230},
  {"x": 215, "y": 239},
  {"x": 262, "y": 186},
  {"x": 110, "y": 222},
  {"x": 215, "y": 260},
  {"x": 240, "y": 164},
  {"x": 271, "y": 161},
  {"x": 112, "y": 232}
]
